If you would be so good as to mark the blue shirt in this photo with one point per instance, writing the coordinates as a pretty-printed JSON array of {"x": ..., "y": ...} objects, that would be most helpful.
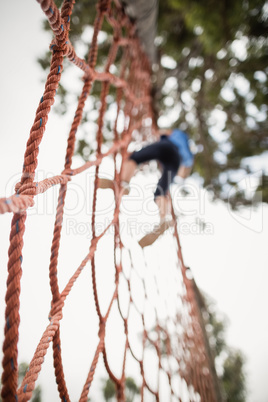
[{"x": 181, "y": 140}]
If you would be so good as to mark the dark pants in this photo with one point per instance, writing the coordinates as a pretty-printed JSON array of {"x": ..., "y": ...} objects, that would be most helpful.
[{"x": 165, "y": 152}]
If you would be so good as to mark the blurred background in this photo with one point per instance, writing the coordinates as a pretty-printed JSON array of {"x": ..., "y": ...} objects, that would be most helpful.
[{"x": 209, "y": 78}]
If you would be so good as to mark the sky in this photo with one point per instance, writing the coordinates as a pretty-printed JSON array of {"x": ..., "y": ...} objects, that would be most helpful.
[{"x": 229, "y": 260}]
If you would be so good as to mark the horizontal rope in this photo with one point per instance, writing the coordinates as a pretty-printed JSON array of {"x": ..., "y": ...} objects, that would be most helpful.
[
  {"x": 16, "y": 203},
  {"x": 133, "y": 100}
]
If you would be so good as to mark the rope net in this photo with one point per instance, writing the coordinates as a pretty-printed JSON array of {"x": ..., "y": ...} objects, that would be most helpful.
[{"x": 163, "y": 345}]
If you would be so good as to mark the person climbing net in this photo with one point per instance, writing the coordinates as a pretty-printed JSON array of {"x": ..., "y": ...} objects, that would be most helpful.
[
  {"x": 173, "y": 152},
  {"x": 189, "y": 363}
]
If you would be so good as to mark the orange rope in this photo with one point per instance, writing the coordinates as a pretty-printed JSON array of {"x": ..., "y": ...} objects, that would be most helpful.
[{"x": 132, "y": 93}]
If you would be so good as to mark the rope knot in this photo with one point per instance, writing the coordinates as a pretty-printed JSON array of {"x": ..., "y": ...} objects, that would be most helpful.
[
  {"x": 58, "y": 45},
  {"x": 103, "y": 6},
  {"x": 89, "y": 75},
  {"x": 27, "y": 188},
  {"x": 116, "y": 36},
  {"x": 56, "y": 308}
]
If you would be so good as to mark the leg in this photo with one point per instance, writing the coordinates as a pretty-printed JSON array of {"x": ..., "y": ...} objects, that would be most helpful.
[
  {"x": 107, "y": 183},
  {"x": 128, "y": 170},
  {"x": 150, "y": 238},
  {"x": 148, "y": 153},
  {"x": 160, "y": 195},
  {"x": 127, "y": 173},
  {"x": 162, "y": 202},
  {"x": 152, "y": 151}
]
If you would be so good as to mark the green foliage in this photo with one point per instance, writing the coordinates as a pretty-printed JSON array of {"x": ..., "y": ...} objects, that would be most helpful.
[
  {"x": 216, "y": 331},
  {"x": 232, "y": 377},
  {"x": 109, "y": 389},
  {"x": 221, "y": 64},
  {"x": 214, "y": 84},
  {"x": 131, "y": 389}
]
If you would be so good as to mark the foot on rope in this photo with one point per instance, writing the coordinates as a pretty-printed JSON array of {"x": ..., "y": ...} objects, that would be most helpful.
[
  {"x": 106, "y": 184},
  {"x": 150, "y": 238}
]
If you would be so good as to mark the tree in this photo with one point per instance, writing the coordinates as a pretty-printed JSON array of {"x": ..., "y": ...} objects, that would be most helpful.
[
  {"x": 211, "y": 82},
  {"x": 233, "y": 378},
  {"x": 217, "y": 72},
  {"x": 229, "y": 361},
  {"x": 109, "y": 389},
  {"x": 131, "y": 389}
]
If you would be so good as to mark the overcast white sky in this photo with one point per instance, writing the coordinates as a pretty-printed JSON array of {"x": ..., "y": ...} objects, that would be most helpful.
[{"x": 229, "y": 262}]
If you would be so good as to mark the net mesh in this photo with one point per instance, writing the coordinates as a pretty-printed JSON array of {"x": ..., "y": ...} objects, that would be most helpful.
[{"x": 150, "y": 327}]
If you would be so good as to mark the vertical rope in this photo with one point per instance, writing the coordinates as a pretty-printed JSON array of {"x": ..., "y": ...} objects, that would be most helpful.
[
  {"x": 189, "y": 352},
  {"x": 10, "y": 348},
  {"x": 66, "y": 11},
  {"x": 10, "y": 354}
]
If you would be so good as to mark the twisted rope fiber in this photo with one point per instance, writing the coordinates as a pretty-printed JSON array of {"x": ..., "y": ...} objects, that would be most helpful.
[
  {"x": 59, "y": 217},
  {"x": 102, "y": 320},
  {"x": 10, "y": 365},
  {"x": 200, "y": 352},
  {"x": 117, "y": 243},
  {"x": 27, "y": 178},
  {"x": 133, "y": 89}
]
